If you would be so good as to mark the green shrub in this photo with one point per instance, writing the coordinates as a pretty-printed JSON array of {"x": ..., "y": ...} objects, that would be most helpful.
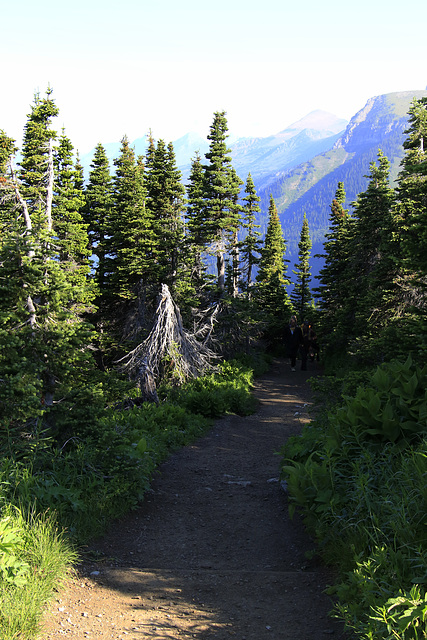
[{"x": 358, "y": 473}]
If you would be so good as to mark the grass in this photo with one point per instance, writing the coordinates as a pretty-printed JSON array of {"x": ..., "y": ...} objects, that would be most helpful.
[{"x": 37, "y": 558}]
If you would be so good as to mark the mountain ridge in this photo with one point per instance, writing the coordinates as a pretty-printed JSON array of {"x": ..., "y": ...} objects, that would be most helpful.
[{"x": 310, "y": 187}]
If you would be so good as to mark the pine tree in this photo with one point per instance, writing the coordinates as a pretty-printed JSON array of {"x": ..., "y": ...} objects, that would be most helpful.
[
  {"x": 301, "y": 296},
  {"x": 131, "y": 246},
  {"x": 165, "y": 200},
  {"x": 221, "y": 214},
  {"x": 333, "y": 288},
  {"x": 271, "y": 279},
  {"x": 251, "y": 244},
  {"x": 412, "y": 191},
  {"x": 46, "y": 339},
  {"x": 196, "y": 237},
  {"x": 97, "y": 213},
  {"x": 234, "y": 245},
  {"x": 373, "y": 246},
  {"x": 69, "y": 226}
]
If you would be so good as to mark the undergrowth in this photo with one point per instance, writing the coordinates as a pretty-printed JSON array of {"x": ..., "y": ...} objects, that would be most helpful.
[
  {"x": 358, "y": 474},
  {"x": 101, "y": 470}
]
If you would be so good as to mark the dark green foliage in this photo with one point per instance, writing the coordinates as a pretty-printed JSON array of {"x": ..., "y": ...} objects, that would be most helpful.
[
  {"x": 359, "y": 469},
  {"x": 225, "y": 392},
  {"x": 301, "y": 297},
  {"x": 97, "y": 212},
  {"x": 251, "y": 244},
  {"x": 221, "y": 185},
  {"x": 271, "y": 295},
  {"x": 412, "y": 189}
]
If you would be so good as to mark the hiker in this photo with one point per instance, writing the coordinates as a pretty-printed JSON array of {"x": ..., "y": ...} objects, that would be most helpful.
[
  {"x": 305, "y": 348},
  {"x": 293, "y": 340},
  {"x": 314, "y": 345}
]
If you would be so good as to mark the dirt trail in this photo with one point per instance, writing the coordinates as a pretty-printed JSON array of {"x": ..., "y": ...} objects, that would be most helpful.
[{"x": 211, "y": 554}]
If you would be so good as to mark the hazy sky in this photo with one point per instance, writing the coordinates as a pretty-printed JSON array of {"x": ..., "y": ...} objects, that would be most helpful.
[{"x": 125, "y": 66}]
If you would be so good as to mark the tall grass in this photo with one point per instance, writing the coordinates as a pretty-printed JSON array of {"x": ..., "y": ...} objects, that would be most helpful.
[{"x": 35, "y": 558}]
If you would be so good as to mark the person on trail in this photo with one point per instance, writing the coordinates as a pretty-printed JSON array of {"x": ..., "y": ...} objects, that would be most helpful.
[
  {"x": 293, "y": 341},
  {"x": 305, "y": 348},
  {"x": 313, "y": 344}
]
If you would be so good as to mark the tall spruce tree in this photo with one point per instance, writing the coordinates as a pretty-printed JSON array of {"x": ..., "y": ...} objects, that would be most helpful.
[
  {"x": 251, "y": 243},
  {"x": 373, "y": 250},
  {"x": 301, "y": 296},
  {"x": 46, "y": 357},
  {"x": 97, "y": 213},
  {"x": 271, "y": 294},
  {"x": 412, "y": 192},
  {"x": 69, "y": 226},
  {"x": 333, "y": 288},
  {"x": 197, "y": 237},
  {"x": 222, "y": 216},
  {"x": 234, "y": 245},
  {"x": 132, "y": 245},
  {"x": 165, "y": 200}
]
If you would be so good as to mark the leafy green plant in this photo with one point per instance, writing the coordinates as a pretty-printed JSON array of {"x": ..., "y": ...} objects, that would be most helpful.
[
  {"x": 360, "y": 469},
  {"x": 12, "y": 570},
  {"x": 44, "y": 557},
  {"x": 404, "y": 617}
]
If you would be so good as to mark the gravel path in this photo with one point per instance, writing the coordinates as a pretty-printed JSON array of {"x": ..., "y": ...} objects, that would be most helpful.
[{"x": 211, "y": 553}]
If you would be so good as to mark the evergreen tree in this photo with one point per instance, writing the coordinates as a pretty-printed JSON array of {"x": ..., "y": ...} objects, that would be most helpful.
[
  {"x": 131, "y": 246},
  {"x": 234, "y": 245},
  {"x": 44, "y": 336},
  {"x": 373, "y": 249},
  {"x": 412, "y": 191},
  {"x": 165, "y": 200},
  {"x": 333, "y": 287},
  {"x": 301, "y": 296},
  {"x": 36, "y": 166},
  {"x": 69, "y": 227},
  {"x": 251, "y": 244},
  {"x": 221, "y": 214},
  {"x": 196, "y": 237},
  {"x": 97, "y": 213},
  {"x": 271, "y": 279}
]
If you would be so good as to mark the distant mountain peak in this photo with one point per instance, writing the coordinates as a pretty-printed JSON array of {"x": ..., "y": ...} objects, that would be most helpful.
[{"x": 318, "y": 120}]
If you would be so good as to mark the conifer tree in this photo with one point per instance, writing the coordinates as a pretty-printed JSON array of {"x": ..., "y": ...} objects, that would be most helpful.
[
  {"x": 165, "y": 200},
  {"x": 333, "y": 287},
  {"x": 36, "y": 166},
  {"x": 196, "y": 237},
  {"x": 131, "y": 246},
  {"x": 221, "y": 214},
  {"x": 373, "y": 250},
  {"x": 271, "y": 279},
  {"x": 234, "y": 245},
  {"x": 47, "y": 338},
  {"x": 97, "y": 213},
  {"x": 301, "y": 297},
  {"x": 251, "y": 244},
  {"x": 69, "y": 226},
  {"x": 412, "y": 191}
]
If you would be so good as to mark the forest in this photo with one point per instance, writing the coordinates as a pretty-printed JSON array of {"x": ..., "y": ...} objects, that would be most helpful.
[{"x": 135, "y": 309}]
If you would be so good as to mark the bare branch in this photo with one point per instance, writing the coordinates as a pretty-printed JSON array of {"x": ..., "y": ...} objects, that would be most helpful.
[{"x": 168, "y": 344}]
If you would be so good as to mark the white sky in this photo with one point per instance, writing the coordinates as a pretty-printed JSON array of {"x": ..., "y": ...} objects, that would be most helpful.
[{"x": 125, "y": 66}]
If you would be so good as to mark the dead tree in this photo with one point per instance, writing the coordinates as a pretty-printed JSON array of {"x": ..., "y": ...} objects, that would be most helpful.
[{"x": 169, "y": 351}]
